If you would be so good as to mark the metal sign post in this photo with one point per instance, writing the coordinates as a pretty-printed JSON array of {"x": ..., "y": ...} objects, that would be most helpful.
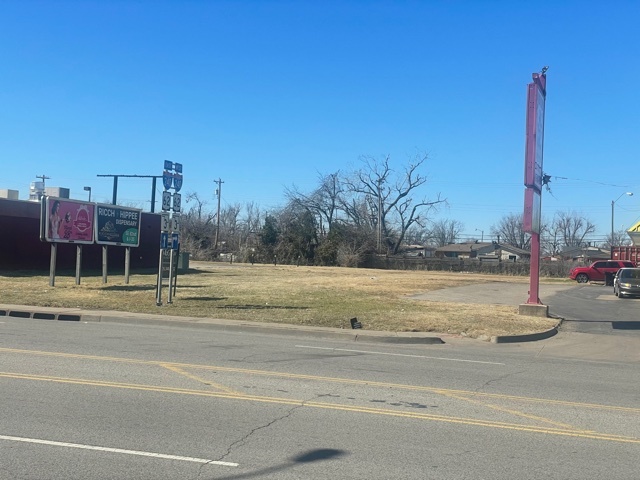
[
  {"x": 159, "y": 286},
  {"x": 78, "y": 263},
  {"x": 169, "y": 225},
  {"x": 533, "y": 176}
]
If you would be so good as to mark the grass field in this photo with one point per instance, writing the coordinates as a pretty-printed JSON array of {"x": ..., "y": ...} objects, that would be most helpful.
[{"x": 318, "y": 296}]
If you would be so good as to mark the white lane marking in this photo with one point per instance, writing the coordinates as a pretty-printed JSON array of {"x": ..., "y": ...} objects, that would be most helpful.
[
  {"x": 400, "y": 355},
  {"x": 116, "y": 450}
]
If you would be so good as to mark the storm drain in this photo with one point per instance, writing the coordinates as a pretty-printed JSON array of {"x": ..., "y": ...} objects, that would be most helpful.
[{"x": 41, "y": 315}]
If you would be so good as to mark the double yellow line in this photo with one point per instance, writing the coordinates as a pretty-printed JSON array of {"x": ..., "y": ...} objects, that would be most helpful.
[{"x": 227, "y": 393}]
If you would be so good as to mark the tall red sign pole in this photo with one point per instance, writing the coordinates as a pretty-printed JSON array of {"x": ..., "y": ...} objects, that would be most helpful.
[{"x": 536, "y": 95}]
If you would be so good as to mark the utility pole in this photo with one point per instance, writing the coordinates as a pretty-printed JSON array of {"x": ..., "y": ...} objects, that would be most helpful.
[
  {"x": 44, "y": 177},
  {"x": 219, "y": 194}
]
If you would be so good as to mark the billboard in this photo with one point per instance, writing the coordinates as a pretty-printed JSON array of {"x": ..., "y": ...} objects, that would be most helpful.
[
  {"x": 66, "y": 221},
  {"x": 117, "y": 225},
  {"x": 532, "y": 211},
  {"x": 536, "y": 94}
]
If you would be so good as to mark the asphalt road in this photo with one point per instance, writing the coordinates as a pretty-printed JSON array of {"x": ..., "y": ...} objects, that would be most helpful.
[{"x": 107, "y": 400}]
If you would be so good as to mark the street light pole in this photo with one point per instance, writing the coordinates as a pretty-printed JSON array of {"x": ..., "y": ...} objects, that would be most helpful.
[
  {"x": 481, "y": 234},
  {"x": 88, "y": 189},
  {"x": 613, "y": 202}
]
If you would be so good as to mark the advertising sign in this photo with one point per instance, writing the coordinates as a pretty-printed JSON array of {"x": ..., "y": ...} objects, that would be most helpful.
[
  {"x": 67, "y": 221},
  {"x": 535, "y": 132},
  {"x": 532, "y": 211},
  {"x": 117, "y": 225}
]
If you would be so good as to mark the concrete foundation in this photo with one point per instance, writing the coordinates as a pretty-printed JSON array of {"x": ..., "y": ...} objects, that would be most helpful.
[{"x": 533, "y": 310}]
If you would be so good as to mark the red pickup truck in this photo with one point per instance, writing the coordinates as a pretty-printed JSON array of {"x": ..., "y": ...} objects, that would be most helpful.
[{"x": 598, "y": 271}]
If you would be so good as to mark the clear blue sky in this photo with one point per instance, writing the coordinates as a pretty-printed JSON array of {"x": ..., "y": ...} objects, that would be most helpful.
[{"x": 264, "y": 95}]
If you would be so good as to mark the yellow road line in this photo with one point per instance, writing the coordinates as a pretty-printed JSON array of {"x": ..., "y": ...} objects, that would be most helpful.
[
  {"x": 516, "y": 413},
  {"x": 297, "y": 376},
  {"x": 330, "y": 406},
  {"x": 218, "y": 386}
]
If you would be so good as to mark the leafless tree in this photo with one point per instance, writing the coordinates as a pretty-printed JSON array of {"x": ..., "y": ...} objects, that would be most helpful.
[
  {"x": 572, "y": 228},
  {"x": 444, "y": 232},
  {"x": 197, "y": 210},
  {"x": 510, "y": 230},
  {"x": 391, "y": 197},
  {"x": 620, "y": 238},
  {"x": 322, "y": 202}
]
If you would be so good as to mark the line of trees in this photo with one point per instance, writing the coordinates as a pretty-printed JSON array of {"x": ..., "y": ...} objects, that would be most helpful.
[
  {"x": 566, "y": 230},
  {"x": 374, "y": 209}
]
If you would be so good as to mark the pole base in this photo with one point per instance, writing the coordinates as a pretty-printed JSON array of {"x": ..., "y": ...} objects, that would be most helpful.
[{"x": 534, "y": 310}]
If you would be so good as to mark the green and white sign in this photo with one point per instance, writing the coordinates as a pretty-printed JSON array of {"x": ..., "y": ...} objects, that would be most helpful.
[{"x": 117, "y": 225}]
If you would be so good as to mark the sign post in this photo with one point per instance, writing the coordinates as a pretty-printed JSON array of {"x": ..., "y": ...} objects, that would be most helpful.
[
  {"x": 169, "y": 225},
  {"x": 533, "y": 174},
  {"x": 117, "y": 226}
]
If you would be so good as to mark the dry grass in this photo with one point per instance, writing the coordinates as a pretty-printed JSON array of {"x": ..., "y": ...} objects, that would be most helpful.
[{"x": 319, "y": 296}]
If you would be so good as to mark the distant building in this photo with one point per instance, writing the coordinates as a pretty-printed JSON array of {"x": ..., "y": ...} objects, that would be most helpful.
[
  {"x": 486, "y": 251},
  {"x": 57, "y": 192},
  {"x": 466, "y": 250},
  {"x": 9, "y": 194}
]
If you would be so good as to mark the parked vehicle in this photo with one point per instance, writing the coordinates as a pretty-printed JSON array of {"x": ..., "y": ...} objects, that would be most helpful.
[
  {"x": 626, "y": 282},
  {"x": 598, "y": 271},
  {"x": 627, "y": 252}
]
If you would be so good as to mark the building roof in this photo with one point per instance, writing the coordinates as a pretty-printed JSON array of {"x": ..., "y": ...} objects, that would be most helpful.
[
  {"x": 511, "y": 249},
  {"x": 465, "y": 247}
]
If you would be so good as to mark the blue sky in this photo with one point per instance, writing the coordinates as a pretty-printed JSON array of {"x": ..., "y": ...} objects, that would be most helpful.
[{"x": 265, "y": 95}]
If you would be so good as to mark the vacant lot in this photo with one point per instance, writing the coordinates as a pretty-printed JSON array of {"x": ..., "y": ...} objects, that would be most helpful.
[{"x": 319, "y": 296}]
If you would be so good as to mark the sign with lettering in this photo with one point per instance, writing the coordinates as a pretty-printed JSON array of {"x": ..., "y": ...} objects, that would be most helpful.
[
  {"x": 67, "y": 221},
  {"x": 117, "y": 225}
]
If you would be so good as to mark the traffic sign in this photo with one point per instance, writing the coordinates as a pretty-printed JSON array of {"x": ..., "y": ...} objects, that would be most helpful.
[
  {"x": 178, "y": 167},
  {"x": 167, "y": 179},
  {"x": 166, "y": 201},
  {"x": 175, "y": 224},
  {"x": 168, "y": 165},
  {"x": 164, "y": 240},
  {"x": 177, "y": 181},
  {"x": 174, "y": 241},
  {"x": 177, "y": 201},
  {"x": 165, "y": 222}
]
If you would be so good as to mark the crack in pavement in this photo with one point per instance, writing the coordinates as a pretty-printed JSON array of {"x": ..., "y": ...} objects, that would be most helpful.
[
  {"x": 242, "y": 440},
  {"x": 502, "y": 377}
]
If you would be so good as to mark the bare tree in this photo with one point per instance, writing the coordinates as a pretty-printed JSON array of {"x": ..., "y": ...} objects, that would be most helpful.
[
  {"x": 390, "y": 197},
  {"x": 620, "y": 238},
  {"x": 323, "y": 202},
  {"x": 197, "y": 228},
  {"x": 444, "y": 232},
  {"x": 198, "y": 208},
  {"x": 572, "y": 228},
  {"x": 510, "y": 230},
  {"x": 229, "y": 226}
]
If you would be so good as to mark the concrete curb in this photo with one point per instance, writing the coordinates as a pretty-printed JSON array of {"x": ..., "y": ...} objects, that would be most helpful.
[
  {"x": 370, "y": 336},
  {"x": 530, "y": 337},
  {"x": 48, "y": 313}
]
